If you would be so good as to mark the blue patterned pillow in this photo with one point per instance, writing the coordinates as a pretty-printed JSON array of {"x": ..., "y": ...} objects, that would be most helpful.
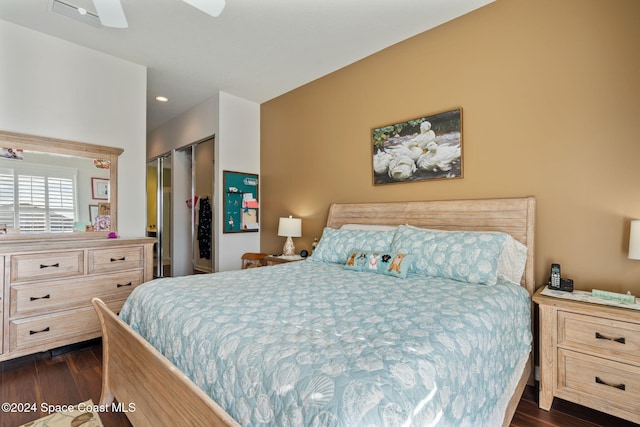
[
  {"x": 335, "y": 244},
  {"x": 381, "y": 262},
  {"x": 465, "y": 256}
]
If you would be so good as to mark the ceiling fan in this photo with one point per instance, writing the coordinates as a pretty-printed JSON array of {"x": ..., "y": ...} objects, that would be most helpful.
[{"x": 112, "y": 15}]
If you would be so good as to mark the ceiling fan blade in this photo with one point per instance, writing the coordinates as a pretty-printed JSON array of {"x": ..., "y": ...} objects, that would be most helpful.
[
  {"x": 211, "y": 7},
  {"x": 111, "y": 13}
]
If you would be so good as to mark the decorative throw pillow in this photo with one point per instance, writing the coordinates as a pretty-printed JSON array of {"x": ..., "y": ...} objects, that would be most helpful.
[
  {"x": 335, "y": 244},
  {"x": 381, "y": 262},
  {"x": 465, "y": 256}
]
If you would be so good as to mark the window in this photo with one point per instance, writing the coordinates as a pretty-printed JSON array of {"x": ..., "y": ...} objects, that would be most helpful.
[{"x": 38, "y": 200}]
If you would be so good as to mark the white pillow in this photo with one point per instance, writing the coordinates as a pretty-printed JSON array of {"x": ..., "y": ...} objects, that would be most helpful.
[
  {"x": 372, "y": 227},
  {"x": 512, "y": 260}
]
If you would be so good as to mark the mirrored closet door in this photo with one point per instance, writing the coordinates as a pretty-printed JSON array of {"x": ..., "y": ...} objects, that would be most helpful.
[
  {"x": 203, "y": 247},
  {"x": 185, "y": 236},
  {"x": 159, "y": 213}
]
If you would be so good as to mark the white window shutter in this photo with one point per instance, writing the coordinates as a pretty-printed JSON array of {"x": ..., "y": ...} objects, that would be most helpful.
[
  {"x": 32, "y": 207},
  {"x": 7, "y": 198},
  {"x": 61, "y": 204},
  {"x": 36, "y": 200}
]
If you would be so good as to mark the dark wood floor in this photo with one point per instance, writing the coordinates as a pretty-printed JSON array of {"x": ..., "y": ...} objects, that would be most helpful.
[
  {"x": 52, "y": 379},
  {"x": 75, "y": 376}
]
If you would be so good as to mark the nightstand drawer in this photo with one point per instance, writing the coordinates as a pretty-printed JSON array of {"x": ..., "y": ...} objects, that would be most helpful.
[
  {"x": 46, "y": 266},
  {"x": 599, "y": 335},
  {"x": 600, "y": 382},
  {"x": 116, "y": 259}
]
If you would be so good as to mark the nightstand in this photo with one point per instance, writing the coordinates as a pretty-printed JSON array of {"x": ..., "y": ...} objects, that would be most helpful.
[
  {"x": 272, "y": 259},
  {"x": 589, "y": 354}
]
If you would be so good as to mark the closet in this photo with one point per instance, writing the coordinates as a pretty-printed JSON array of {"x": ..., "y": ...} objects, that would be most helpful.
[{"x": 179, "y": 209}]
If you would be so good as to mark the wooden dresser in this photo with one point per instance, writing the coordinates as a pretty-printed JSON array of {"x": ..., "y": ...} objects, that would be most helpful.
[
  {"x": 48, "y": 286},
  {"x": 589, "y": 354}
]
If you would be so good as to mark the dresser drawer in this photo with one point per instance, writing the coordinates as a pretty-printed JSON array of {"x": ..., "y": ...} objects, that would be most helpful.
[
  {"x": 39, "y": 298},
  {"x": 46, "y": 266},
  {"x": 603, "y": 383},
  {"x": 602, "y": 336},
  {"x": 54, "y": 330},
  {"x": 115, "y": 259}
]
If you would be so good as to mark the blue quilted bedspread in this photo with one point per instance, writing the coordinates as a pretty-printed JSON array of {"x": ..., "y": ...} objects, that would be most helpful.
[{"x": 310, "y": 343}]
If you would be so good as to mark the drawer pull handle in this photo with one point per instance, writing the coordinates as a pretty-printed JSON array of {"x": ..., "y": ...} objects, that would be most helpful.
[
  {"x": 118, "y": 259},
  {"x": 57, "y": 264},
  {"x": 618, "y": 386},
  {"x": 599, "y": 336},
  {"x": 121, "y": 286},
  {"x": 37, "y": 298},
  {"x": 47, "y": 329}
]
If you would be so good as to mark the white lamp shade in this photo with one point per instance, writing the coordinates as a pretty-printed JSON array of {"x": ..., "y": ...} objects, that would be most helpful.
[
  {"x": 290, "y": 227},
  {"x": 634, "y": 240}
]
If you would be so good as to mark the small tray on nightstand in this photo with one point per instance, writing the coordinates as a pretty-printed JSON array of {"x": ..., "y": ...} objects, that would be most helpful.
[
  {"x": 585, "y": 296},
  {"x": 281, "y": 259}
]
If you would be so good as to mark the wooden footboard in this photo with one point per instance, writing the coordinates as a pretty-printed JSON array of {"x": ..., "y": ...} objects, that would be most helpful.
[
  {"x": 147, "y": 385},
  {"x": 517, "y": 394}
]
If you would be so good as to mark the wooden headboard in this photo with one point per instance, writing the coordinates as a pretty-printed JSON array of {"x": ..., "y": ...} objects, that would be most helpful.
[{"x": 515, "y": 216}]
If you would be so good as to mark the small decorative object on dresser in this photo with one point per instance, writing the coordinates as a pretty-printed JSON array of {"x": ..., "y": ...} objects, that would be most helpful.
[
  {"x": 589, "y": 354},
  {"x": 102, "y": 223}
]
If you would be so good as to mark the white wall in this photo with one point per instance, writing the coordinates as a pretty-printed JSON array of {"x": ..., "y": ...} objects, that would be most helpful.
[
  {"x": 236, "y": 124},
  {"x": 53, "y": 88},
  {"x": 238, "y": 150},
  {"x": 193, "y": 125}
]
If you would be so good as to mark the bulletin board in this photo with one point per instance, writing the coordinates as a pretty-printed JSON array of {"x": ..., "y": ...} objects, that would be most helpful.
[{"x": 241, "y": 208}]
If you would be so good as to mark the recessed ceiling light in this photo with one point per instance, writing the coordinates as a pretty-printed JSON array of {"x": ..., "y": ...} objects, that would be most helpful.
[{"x": 162, "y": 98}]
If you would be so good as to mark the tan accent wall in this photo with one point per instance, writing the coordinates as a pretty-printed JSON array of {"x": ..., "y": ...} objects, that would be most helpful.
[{"x": 550, "y": 92}]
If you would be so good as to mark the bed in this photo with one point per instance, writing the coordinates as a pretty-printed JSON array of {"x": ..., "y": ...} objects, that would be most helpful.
[{"x": 330, "y": 341}]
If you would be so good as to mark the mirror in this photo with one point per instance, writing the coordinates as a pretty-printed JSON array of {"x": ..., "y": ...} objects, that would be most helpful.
[{"x": 51, "y": 188}]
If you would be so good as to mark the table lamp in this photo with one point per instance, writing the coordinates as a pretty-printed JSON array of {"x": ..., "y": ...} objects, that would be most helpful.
[
  {"x": 634, "y": 240},
  {"x": 289, "y": 227}
]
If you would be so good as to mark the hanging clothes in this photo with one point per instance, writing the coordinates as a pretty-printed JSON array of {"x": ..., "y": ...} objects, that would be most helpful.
[{"x": 204, "y": 228}]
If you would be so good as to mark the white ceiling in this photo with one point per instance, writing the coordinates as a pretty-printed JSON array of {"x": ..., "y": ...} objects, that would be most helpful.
[{"x": 256, "y": 49}]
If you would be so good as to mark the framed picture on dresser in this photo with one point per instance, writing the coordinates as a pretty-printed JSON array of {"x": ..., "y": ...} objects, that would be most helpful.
[
  {"x": 99, "y": 188},
  {"x": 93, "y": 213}
]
